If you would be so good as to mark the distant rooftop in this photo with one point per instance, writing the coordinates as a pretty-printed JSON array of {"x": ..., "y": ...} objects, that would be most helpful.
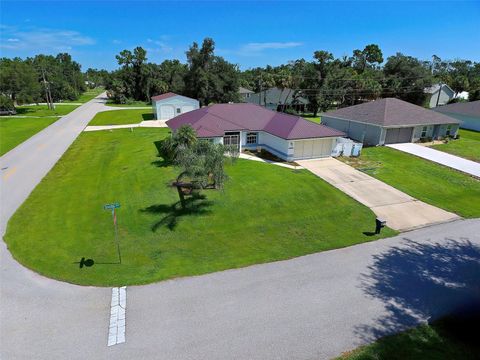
[
  {"x": 471, "y": 108},
  {"x": 391, "y": 112}
]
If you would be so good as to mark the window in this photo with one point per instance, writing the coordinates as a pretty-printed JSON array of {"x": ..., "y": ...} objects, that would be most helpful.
[
  {"x": 424, "y": 132},
  {"x": 248, "y": 95},
  {"x": 179, "y": 111},
  {"x": 252, "y": 138}
]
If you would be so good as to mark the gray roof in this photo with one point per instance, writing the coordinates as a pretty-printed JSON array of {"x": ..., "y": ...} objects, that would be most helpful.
[
  {"x": 391, "y": 112},
  {"x": 243, "y": 90},
  {"x": 215, "y": 120},
  {"x": 434, "y": 88},
  {"x": 463, "y": 108},
  {"x": 277, "y": 96}
]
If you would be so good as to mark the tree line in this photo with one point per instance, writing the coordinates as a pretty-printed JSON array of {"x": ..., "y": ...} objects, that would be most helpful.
[
  {"x": 326, "y": 81},
  {"x": 42, "y": 78}
]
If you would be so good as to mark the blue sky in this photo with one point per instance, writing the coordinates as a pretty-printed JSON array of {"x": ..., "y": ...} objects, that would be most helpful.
[{"x": 247, "y": 33}]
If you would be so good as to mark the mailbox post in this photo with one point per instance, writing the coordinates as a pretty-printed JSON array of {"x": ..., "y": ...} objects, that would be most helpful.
[{"x": 379, "y": 224}]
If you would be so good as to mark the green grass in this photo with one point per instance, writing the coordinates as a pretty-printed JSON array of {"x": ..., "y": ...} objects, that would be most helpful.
[
  {"x": 121, "y": 117},
  {"x": 43, "y": 110},
  {"x": 468, "y": 146},
  {"x": 15, "y": 130},
  {"x": 130, "y": 104},
  {"x": 265, "y": 213},
  {"x": 425, "y": 180},
  {"x": 449, "y": 338},
  {"x": 90, "y": 94},
  {"x": 315, "y": 119}
]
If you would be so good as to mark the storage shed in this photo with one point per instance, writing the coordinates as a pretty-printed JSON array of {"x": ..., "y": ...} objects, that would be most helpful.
[{"x": 169, "y": 105}]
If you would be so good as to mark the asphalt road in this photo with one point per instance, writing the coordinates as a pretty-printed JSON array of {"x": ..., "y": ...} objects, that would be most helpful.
[{"x": 312, "y": 307}]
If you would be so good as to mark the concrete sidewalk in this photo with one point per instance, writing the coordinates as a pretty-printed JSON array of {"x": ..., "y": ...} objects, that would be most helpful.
[
  {"x": 440, "y": 157},
  {"x": 401, "y": 211}
]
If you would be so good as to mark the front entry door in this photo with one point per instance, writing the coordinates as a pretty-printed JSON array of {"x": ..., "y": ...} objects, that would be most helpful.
[{"x": 232, "y": 139}]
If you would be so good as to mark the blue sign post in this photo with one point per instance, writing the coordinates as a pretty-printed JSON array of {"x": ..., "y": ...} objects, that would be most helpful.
[{"x": 112, "y": 207}]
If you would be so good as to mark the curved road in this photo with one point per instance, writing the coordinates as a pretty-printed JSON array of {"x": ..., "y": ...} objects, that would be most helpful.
[{"x": 314, "y": 306}]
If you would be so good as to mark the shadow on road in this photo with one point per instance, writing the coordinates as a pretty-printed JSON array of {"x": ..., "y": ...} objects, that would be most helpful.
[{"x": 420, "y": 282}]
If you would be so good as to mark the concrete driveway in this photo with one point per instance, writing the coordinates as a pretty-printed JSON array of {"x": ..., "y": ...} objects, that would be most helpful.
[
  {"x": 440, "y": 157},
  {"x": 401, "y": 211}
]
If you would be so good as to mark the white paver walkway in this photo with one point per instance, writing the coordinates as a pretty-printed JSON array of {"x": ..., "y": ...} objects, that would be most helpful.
[
  {"x": 256, "y": 158},
  {"x": 146, "y": 123},
  {"x": 440, "y": 157}
]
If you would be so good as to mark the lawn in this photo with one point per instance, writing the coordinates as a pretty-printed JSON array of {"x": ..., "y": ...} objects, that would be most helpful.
[
  {"x": 130, "y": 104},
  {"x": 90, "y": 94},
  {"x": 315, "y": 119},
  {"x": 265, "y": 213},
  {"x": 449, "y": 338},
  {"x": 15, "y": 130},
  {"x": 121, "y": 117},
  {"x": 467, "y": 146},
  {"x": 425, "y": 180},
  {"x": 43, "y": 110}
]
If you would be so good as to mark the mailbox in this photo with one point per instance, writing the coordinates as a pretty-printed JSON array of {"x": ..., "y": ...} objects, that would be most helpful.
[{"x": 379, "y": 224}]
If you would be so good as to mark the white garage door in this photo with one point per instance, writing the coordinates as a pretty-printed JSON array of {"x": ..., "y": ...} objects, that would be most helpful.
[
  {"x": 167, "y": 112},
  {"x": 308, "y": 149},
  {"x": 186, "y": 108}
]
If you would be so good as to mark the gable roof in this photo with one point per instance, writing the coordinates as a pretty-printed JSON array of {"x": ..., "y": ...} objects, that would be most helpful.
[
  {"x": 391, "y": 112},
  {"x": 243, "y": 90},
  {"x": 435, "y": 87},
  {"x": 217, "y": 119},
  {"x": 164, "y": 96},
  {"x": 463, "y": 108},
  {"x": 277, "y": 96}
]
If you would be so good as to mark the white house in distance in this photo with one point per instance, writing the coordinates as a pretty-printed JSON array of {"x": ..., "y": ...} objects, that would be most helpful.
[
  {"x": 245, "y": 93},
  {"x": 169, "y": 105},
  {"x": 440, "y": 94}
]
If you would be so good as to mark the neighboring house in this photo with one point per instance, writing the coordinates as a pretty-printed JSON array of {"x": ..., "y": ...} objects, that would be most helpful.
[
  {"x": 250, "y": 126},
  {"x": 278, "y": 99},
  {"x": 440, "y": 94},
  {"x": 245, "y": 93},
  {"x": 468, "y": 113},
  {"x": 169, "y": 105},
  {"x": 389, "y": 121}
]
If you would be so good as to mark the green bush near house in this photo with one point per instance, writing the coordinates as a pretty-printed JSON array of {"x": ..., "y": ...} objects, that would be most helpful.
[{"x": 265, "y": 213}]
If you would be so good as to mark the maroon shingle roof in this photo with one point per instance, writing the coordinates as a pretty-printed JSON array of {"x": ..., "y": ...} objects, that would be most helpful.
[
  {"x": 463, "y": 108},
  {"x": 164, "y": 96},
  {"x": 391, "y": 112},
  {"x": 217, "y": 119}
]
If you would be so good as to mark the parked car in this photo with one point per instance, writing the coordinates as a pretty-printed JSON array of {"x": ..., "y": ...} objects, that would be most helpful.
[{"x": 7, "y": 112}]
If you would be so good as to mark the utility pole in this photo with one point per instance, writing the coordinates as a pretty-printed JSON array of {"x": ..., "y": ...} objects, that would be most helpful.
[
  {"x": 48, "y": 93},
  {"x": 439, "y": 92},
  {"x": 260, "y": 87}
]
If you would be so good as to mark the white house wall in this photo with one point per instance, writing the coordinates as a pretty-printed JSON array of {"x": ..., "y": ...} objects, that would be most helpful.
[{"x": 445, "y": 96}]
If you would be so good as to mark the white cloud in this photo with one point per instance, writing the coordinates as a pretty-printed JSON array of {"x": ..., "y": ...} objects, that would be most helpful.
[
  {"x": 159, "y": 46},
  {"x": 256, "y": 46},
  {"x": 43, "y": 40},
  {"x": 115, "y": 41}
]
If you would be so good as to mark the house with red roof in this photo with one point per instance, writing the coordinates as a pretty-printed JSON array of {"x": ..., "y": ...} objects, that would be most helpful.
[
  {"x": 169, "y": 105},
  {"x": 250, "y": 126}
]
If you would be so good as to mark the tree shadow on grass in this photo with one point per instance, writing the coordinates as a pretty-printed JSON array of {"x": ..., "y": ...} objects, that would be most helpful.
[
  {"x": 195, "y": 205},
  {"x": 421, "y": 281}
]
